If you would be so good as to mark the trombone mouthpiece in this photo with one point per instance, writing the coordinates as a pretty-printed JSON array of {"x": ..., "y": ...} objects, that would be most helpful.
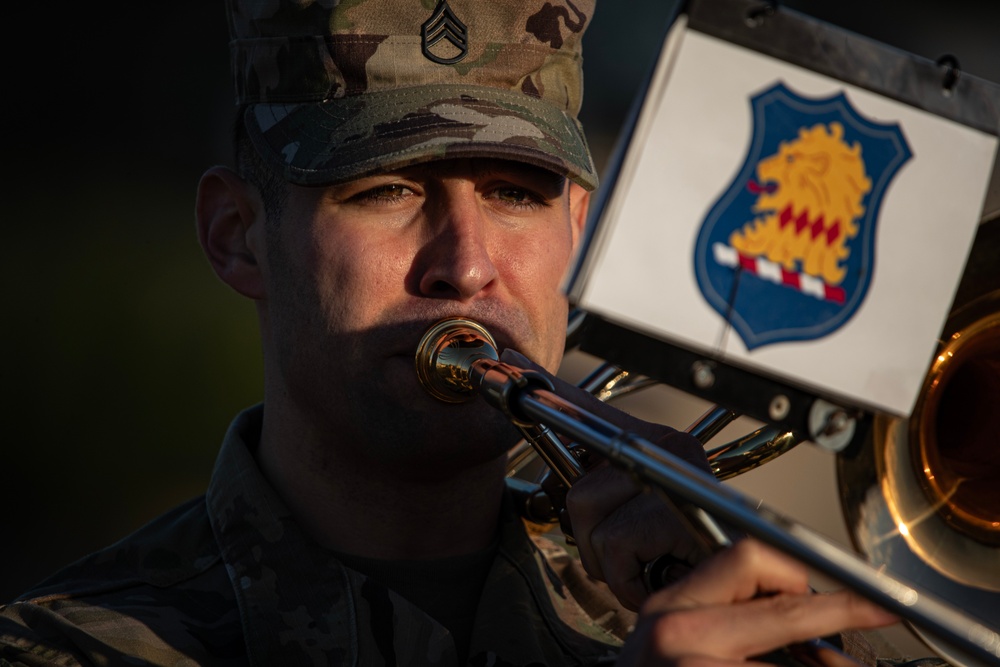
[{"x": 446, "y": 354}]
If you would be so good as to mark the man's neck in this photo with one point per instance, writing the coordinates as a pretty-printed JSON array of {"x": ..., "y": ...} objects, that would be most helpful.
[{"x": 353, "y": 504}]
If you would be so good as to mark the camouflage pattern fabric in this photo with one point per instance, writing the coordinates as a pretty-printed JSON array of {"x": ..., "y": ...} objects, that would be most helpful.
[
  {"x": 339, "y": 89},
  {"x": 231, "y": 579}
]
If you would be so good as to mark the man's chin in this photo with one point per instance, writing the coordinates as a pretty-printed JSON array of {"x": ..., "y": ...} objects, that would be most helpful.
[
  {"x": 452, "y": 439},
  {"x": 408, "y": 409}
]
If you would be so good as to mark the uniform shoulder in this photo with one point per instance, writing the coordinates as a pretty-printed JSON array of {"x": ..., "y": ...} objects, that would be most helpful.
[
  {"x": 159, "y": 593},
  {"x": 175, "y": 546}
]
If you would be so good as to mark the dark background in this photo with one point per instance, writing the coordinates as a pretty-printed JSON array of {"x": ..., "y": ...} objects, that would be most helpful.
[{"x": 125, "y": 358}]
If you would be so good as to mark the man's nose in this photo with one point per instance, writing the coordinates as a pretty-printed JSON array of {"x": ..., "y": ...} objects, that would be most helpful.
[{"x": 456, "y": 262}]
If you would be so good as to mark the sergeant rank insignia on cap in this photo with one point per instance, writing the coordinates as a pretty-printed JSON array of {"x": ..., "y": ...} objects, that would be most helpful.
[
  {"x": 788, "y": 250},
  {"x": 444, "y": 25}
]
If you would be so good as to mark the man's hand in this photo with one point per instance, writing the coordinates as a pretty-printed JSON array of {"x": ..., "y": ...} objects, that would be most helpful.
[
  {"x": 742, "y": 602},
  {"x": 618, "y": 527}
]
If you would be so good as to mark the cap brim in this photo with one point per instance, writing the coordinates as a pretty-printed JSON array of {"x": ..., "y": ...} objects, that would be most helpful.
[{"x": 336, "y": 140}]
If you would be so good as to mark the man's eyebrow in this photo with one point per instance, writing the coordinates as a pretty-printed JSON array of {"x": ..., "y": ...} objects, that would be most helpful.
[
  {"x": 548, "y": 178},
  {"x": 558, "y": 181}
]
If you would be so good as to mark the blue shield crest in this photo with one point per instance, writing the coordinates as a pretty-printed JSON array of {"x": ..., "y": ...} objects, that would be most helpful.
[{"x": 787, "y": 252}]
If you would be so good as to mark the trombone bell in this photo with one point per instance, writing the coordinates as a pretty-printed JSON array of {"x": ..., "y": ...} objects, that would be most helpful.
[
  {"x": 923, "y": 493},
  {"x": 954, "y": 432}
]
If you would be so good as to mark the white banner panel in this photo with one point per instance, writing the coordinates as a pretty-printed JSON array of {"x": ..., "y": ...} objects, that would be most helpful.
[{"x": 785, "y": 221}]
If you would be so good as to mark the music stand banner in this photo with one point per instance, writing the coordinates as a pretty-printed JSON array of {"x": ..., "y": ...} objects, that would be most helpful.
[{"x": 808, "y": 225}]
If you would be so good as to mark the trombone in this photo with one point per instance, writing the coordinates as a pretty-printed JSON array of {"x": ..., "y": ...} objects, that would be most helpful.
[{"x": 457, "y": 360}]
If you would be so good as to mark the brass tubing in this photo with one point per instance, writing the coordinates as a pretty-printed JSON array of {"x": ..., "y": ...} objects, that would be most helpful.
[
  {"x": 752, "y": 450},
  {"x": 525, "y": 397},
  {"x": 677, "y": 478},
  {"x": 711, "y": 423}
]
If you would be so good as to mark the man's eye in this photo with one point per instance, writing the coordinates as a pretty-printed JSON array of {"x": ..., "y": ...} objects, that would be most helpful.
[
  {"x": 516, "y": 197},
  {"x": 390, "y": 193}
]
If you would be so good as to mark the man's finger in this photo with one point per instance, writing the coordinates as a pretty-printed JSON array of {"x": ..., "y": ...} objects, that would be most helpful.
[
  {"x": 761, "y": 625},
  {"x": 742, "y": 572},
  {"x": 591, "y": 501}
]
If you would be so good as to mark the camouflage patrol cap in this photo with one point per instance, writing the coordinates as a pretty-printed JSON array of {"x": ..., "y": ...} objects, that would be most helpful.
[{"x": 337, "y": 89}]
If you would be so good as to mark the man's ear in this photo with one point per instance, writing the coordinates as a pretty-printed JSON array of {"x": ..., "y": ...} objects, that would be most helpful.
[
  {"x": 230, "y": 219},
  {"x": 579, "y": 206}
]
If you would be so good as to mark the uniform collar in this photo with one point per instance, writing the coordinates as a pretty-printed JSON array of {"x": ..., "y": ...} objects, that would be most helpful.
[
  {"x": 294, "y": 597},
  {"x": 299, "y": 604}
]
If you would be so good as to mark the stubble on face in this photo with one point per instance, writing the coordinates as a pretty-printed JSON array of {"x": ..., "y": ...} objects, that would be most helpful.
[{"x": 344, "y": 350}]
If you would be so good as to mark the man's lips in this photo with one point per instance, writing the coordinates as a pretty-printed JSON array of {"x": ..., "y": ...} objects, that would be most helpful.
[
  {"x": 495, "y": 324},
  {"x": 407, "y": 341}
]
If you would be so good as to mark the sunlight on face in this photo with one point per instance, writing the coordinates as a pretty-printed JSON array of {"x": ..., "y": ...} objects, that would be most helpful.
[{"x": 365, "y": 267}]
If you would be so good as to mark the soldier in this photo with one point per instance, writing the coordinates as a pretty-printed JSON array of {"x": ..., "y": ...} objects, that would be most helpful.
[{"x": 397, "y": 163}]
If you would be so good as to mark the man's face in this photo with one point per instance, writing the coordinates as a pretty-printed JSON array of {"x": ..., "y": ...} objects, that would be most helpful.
[{"x": 357, "y": 272}]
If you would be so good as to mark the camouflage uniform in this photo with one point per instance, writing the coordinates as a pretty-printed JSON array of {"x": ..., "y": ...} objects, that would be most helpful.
[
  {"x": 331, "y": 90},
  {"x": 231, "y": 579},
  {"x": 334, "y": 90}
]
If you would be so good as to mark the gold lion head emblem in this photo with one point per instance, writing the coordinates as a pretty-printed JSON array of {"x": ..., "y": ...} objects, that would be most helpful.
[{"x": 810, "y": 196}]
